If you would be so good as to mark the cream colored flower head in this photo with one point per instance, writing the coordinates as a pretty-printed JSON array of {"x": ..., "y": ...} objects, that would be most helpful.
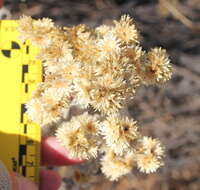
[
  {"x": 39, "y": 32},
  {"x": 114, "y": 166},
  {"x": 50, "y": 107},
  {"x": 149, "y": 154},
  {"x": 148, "y": 145},
  {"x": 148, "y": 163},
  {"x": 107, "y": 94},
  {"x": 78, "y": 136},
  {"x": 155, "y": 67},
  {"x": 108, "y": 46},
  {"x": 119, "y": 133},
  {"x": 134, "y": 53},
  {"x": 59, "y": 51},
  {"x": 126, "y": 31}
]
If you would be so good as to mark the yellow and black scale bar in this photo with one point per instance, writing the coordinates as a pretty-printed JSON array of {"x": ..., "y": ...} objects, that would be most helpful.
[{"x": 20, "y": 73}]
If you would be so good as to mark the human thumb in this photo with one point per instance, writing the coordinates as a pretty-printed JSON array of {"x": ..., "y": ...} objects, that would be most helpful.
[
  {"x": 22, "y": 183},
  {"x": 13, "y": 181}
]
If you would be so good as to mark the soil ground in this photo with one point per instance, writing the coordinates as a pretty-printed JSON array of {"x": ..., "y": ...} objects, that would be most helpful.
[{"x": 170, "y": 113}]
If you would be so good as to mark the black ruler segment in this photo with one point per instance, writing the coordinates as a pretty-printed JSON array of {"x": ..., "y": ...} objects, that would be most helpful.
[
  {"x": 23, "y": 110},
  {"x": 22, "y": 152},
  {"x": 24, "y": 70},
  {"x": 26, "y": 88},
  {"x": 24, "y": 170}
]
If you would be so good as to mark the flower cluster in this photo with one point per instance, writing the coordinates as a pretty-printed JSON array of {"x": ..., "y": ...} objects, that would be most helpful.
[{"x": 97, "y": 71}]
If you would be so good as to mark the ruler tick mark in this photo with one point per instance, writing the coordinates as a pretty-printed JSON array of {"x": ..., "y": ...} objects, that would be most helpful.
[
  {"x": 25, "y": 128},
  {"x": 27, "y": 49},
  {"x": 22, "y": 152},
  {"x": 26, "y": 88},
  {"x": 24, "y": 170},
  {"x": 24, "y": 70},
  {"x": 23, "y": 110}
]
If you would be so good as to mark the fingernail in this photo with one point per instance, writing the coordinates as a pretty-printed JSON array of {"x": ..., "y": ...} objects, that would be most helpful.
[{"x": 5, "y": 180}]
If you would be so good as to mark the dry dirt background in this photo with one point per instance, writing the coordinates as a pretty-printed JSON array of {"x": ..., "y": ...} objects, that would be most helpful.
[{"x": 170, "y": 113}]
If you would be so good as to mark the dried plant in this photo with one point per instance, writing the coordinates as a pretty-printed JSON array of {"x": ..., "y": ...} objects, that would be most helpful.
[
  {"x": 96, "y": 71},
  {"x": 172, "y": 7}
]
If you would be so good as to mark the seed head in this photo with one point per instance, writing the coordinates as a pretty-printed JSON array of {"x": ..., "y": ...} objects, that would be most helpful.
[
  {"x": 114, "y": 166},
  {"x": 78, "y": 136},
  {"x": 119, "y": 133},
  {"x": 155, "y": 67},
  {"x": 126, "y": 31},
  {"x": 148, "y": 163}
]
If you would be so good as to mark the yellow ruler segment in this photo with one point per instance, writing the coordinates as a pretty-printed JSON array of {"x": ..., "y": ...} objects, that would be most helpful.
[{"x": 20, "y": 73}]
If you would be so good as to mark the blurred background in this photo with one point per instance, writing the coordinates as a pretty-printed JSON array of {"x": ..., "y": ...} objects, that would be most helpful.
[{"x": 172, "y": 113}]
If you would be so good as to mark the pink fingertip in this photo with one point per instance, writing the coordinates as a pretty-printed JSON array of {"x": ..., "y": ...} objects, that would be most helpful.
[
  {"x": 49, "y": 180},
  {"x": 54, "y": 154}
]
